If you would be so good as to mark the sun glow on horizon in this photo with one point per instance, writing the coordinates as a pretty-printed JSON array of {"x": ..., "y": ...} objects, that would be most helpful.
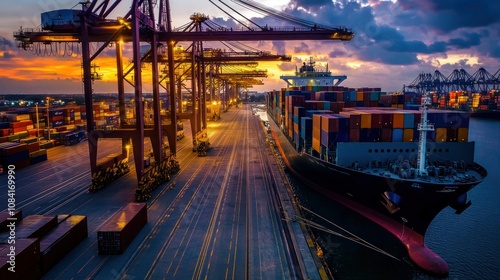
[
  {"x": 451, "y": 59},
  {"x": 354, "y": 64}
]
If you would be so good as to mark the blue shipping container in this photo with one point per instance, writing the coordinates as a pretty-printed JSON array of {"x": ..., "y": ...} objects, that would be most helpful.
[
  {"x": 409, "y": 120},
  {"x": 374, "y": 96},
  {"x": 397, "y": 135},
  {"x": 306, "y": 128}
]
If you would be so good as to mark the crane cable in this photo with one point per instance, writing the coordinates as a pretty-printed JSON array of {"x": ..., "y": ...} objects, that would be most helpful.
[
  {"x": 352, "y": 236},
  {"x": 239, "y": 14},
  {"x": 256, "y": 7},
  {"x": 229, "y": 15}
]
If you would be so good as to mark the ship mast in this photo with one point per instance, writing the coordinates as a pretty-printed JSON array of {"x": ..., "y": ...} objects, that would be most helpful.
[{"x": 423, "y": 127}]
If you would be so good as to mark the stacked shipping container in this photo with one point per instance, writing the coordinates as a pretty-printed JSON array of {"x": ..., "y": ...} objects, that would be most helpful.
[
  {"x": 41, "y": 241},
  {"x": 383, "y": 120}
]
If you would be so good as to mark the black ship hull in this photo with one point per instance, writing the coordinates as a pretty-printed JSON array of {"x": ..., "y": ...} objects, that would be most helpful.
[{"x": 407, "y": 218}]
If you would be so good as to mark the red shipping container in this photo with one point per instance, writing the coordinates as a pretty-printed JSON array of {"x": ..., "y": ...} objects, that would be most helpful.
[
  {"x": 119, "y": 231},
  {"x": 386, "y": 135},
  {"x": 35, "y": 226},
  {"x": 376, "y": 120},
  {"x": 6, "y": 131},
  {"x": 14, "y": 150},
  {"x": 57, "y": 243},
  {"x": 27, "y": 260},
  {"x": 33, "y": 147},
  {"x": 57, "y": 118},
  {"x": 354, "y": 135}
]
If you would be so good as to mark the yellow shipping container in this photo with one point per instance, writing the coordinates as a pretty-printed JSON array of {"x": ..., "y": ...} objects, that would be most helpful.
[
  {"x": 408, "y": 135},
  {"x": 296, "y": 127},
  {"x": 441, "y": 134},
  {"x": 463, "y": 134}
]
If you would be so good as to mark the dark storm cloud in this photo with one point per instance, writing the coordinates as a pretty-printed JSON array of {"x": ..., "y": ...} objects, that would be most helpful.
[
  {"x": 468, "y": 40},
  {"x": 495, "y": 52},
  {"x": 8, "y": 55},
  {"x": 373, "y": 41},
  {"x": 337, "y": 53},
  {"x": 302, "y": 48},
  {"x": 286, "y": 66},
  {"x": 279, "y": 47},
  {"x": 311, "y": 3},
  {"x": 446, "y": 16},
  {"x": 381, "y": 55},
  {"x": 5, "y": 43},
  {"x": 417, "y": 47},
  {"x": 378, "y": 39},
  {"x": 229, "y": 23}
]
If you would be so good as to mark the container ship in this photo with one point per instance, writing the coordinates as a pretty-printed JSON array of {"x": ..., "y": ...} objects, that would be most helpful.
[{"x": 397, "y": 167}]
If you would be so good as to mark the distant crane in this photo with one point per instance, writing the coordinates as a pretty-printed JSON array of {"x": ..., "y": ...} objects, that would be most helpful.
[{"x": 458, "y": 80}]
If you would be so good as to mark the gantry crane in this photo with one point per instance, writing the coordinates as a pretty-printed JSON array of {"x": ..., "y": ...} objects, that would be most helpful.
[
  {"x": 458, "y": 80},
  {"x": 150, "y": 21}
]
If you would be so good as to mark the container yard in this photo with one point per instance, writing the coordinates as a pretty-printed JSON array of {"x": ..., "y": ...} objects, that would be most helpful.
[{"x": 25, "y": 136}]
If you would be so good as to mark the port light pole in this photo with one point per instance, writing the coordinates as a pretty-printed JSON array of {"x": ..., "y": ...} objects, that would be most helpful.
[{"x": 47, "y": 104}]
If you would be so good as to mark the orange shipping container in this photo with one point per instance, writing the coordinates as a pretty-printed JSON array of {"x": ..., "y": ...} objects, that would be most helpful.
[
  {"x": 441, "y": 134},
  {"x": 359, "y": 96},
  {"x": 316, "y": 134},
  {"x": 408, "y": 135},
  {"x": 317, "y": 121},
  {"x": 463, "y": 134},
  {"x": 316, "y": 145},
  {"x": 398, "y": 120}
]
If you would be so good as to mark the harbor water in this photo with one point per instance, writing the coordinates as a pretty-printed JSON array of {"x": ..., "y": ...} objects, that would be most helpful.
[{"x": 468, "y": 242}]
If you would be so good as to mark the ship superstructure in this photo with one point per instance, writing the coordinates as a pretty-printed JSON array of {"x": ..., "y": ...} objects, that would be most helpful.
[{"x": 308, "y": 75}]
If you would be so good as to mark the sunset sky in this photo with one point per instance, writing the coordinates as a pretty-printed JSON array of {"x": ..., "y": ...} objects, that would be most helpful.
[{"x": 394, "y": 42}]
